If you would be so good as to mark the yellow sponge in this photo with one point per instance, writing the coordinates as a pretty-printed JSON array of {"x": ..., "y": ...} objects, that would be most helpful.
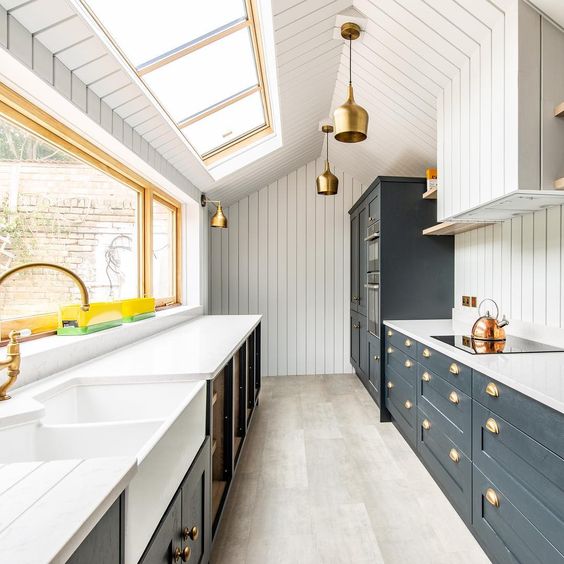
[
  {"x": 101, "y": 315},
  {"x": 136, "y": 309}
]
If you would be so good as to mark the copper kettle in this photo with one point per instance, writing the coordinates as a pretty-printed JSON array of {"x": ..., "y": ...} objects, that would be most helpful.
[{"x": 487, "y": 327}]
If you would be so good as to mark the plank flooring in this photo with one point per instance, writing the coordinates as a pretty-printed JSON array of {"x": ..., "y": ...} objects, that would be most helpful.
[{"x": 321, "y": 481}]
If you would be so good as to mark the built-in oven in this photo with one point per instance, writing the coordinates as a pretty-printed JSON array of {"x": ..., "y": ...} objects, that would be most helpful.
[
  {"x": 373, "y": 297},
  {"x": 373, "y": 247}
]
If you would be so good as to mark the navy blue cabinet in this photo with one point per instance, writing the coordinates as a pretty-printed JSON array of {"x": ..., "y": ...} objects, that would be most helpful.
[{"x": 497, "y": 454}]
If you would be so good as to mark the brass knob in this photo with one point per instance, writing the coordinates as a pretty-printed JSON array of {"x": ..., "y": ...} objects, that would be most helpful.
[
  {"x": 426, "y": 353},
  {"x": 390, "y": 332},
  {"x": 390, "y": 350},
  {"x": 426, "y": 424},
  {"x": 186, "y": 553},
  {"x": 491, "y": 390},
  {"x": 453, "y": 397},
  {"x": 408, "y": 404},
  {"x": 408, "y": 364},
  {"x": 453, "y": 369},
  {"x": 177, "y": 554},
  {"x": 426, "y": 377},
  {"x": 192, "y": 533},
  {"x": 356, "y": 326},
  {"x": 454, "y": 456},
  {"x": 407, "y": 343},
  {"x": 492, "y": 497},
  {"x": 376, "y": 358},
  {"x": 492, "y": 426},
  {"x": 390, "y": 385}
]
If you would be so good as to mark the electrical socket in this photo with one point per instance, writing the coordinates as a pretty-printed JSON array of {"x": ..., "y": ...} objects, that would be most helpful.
[
  {"x": 466, "y": 301},
  {"x": 474, "y": 301}
]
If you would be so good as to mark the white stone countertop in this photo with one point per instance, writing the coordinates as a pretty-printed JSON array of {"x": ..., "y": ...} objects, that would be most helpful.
[
  {"x": 537, "y": 375},
  {"x": 48, "y": 508}
]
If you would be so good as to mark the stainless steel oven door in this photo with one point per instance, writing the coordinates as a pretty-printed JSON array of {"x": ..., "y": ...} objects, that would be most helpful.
[
  {"x": 373, "y": 293},
  {"x": 373, "y": 247}
]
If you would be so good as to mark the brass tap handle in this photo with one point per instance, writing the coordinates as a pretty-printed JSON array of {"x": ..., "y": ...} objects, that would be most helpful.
[{"x": 12, "y": 362}]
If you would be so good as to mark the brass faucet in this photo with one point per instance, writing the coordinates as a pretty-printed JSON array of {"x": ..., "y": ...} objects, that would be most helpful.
[{"x": 13, "y": 359}]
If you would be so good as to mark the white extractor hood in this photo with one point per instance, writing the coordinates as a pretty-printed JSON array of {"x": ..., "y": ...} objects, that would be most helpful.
[{"x": 510, "y": 205}]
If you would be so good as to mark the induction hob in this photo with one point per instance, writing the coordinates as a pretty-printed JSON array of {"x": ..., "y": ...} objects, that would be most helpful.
[{"x": 511, "y": 345}]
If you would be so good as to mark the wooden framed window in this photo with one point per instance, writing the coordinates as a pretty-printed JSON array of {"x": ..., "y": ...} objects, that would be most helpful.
[{"x": 64, "y": 200}]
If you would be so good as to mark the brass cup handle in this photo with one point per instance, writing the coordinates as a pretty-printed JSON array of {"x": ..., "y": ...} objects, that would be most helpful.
[
  {"x": 408, "y": 404},
  {"x": 492, "y": 390},
  {"x": 181, "y": 554},
  {"x": 376, "y": 358},
  {"x": 492, "y": 426},
  {"x": 426, "y": 424},
  {"x": 390, "y": 350},
  {"x": 454, "y": 455},
  {"x": 453, "y": 369},
  {"x": 407, "y": 343},
  {"x": 492, "y": 497},
  {"x": 390, "y": 385},
  {"x": 390, "y": 332},
  {"x": 453, "y": 398},
  {"x": 426, "y": 353},
  {"x": 426, "y": 377},
  {"x": 408, "y": 364},
  {"x": 192, "y": 533}
]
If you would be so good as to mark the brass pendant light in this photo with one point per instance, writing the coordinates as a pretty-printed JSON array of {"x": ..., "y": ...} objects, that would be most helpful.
[
  {"x": 218, "y": 219},
  {"x": 351, "y": 120},
  {"x": 327, "y": 182}
]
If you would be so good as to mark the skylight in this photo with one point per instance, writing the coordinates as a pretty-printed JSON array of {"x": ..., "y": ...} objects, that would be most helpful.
[{"x": 203, "y": 63}]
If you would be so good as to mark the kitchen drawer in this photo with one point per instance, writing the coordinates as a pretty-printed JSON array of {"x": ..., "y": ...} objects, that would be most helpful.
[
  {"x": 446, "y": 462},
  {"x": 404, "y": 365},
  {"x": 400, "y": 401},
  {"x": 528, "y": 474},
  {"x": 509, "y": 537},
  {"x": 451, "y": 370},
  {"x": 399, "y": 341},
  {"x": 374, "y": 365},
  {"x": 374, "y": 207},
  {"x": 453, "y": 406},
  {"x": 536, "y": 420}
]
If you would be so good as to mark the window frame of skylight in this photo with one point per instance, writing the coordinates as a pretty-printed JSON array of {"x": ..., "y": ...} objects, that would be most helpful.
[{"x": 252, "y": 23}]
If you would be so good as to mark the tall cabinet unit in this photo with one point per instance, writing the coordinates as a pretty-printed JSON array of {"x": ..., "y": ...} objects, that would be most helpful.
[{"x": 396, "y": 272}]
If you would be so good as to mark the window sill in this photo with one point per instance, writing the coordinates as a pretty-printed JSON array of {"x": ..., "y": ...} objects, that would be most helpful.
[{"x": 49, "y": 355}]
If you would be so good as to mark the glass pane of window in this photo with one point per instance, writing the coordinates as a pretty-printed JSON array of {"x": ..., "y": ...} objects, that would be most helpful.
[
  {"x": 226, "y": 125},
  {"x": 55, "y": 208},
  {"x": 145, "y": 30},
  {"x": 205, "y": 77},
  {"x": 164, "y": 230}
]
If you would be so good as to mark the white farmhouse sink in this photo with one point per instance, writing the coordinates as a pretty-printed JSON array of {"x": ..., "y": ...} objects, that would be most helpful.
[
  {"x": 81, "y": 402},
  {"x": 160, "y": 423}
]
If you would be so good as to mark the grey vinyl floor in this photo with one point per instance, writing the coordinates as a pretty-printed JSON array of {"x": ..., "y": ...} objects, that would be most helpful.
[{"x": 321, "y": 481}]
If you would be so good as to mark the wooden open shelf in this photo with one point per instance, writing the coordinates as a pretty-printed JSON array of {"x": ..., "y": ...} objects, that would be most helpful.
[
  {"x": 559, "y": 110},
  {"x": 214, "y": 446},
  {"x": 430, "y": 194},
  {"x": 452, "y": 228},
  {"x": 218, "y": 487},
  {"x": 214, "y": 398}
]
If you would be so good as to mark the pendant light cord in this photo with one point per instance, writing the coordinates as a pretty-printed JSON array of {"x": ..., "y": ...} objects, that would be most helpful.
[{"x": 350, "y": 60}]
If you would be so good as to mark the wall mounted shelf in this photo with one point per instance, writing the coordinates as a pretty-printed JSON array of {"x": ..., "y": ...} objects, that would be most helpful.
[
  {"x": 430, "y": 194},
  {"x": 452, "y": 228}
]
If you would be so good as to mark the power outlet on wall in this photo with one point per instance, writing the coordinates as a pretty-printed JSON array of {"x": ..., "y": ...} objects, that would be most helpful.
[
  {"x": 466, "y": 301},
  {"x": 473, "y": 299}
]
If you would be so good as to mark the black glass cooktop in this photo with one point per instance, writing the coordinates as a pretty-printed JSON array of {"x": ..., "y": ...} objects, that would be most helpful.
[{"x": 511, "y": 345}]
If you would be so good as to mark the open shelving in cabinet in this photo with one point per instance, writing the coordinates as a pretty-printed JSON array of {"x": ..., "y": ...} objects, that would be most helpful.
[{"x": 220, "y": 449}]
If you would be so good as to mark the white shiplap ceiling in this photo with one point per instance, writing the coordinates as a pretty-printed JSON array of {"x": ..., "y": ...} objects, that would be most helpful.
[{"x": 409, "y": 50}]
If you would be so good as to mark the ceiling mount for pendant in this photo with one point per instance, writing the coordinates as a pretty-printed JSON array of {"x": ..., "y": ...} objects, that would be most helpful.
[
  {"x": 351, "y": 120},
  {"x": 327, "y": 183}
]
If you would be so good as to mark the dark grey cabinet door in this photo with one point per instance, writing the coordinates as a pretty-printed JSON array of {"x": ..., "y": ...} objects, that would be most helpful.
[
  {"x": 196, "y": 507},
  {"x": 362, "y": 261},
  {"x": 104, "y": 543},
  {"x": 355, "y": 257},
  {"x": 355, "y": 340},
  {"x": 374, "y": 207},
  {"x": 363, "y": 345},
  {"x": 374, "y": 373},
  {"x": 167, "y": 538}
]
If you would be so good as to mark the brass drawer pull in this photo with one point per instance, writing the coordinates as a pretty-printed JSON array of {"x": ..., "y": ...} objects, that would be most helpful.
[
  {"x": 454, "y": 456},
  {"x": 408, "y": 364},
  {"x": 492, "y": 390},
  {"x": 492, "y": 498},
  {"x": 426, "y": 424},
  {"x": 390, "y": 385},
  {"x": 407, "y": 343},
  {"x": 453, "y": 369},
  {"x": 356, "y": 326},
  {"x": 192, "y": 533},
  {"x": 453, "y": 397},
  {"x": 390, "y": 332},
  {"x": 376, "y": 358},
  {"x": 390, "y": 350},
  {"x": 408, "y": 404},
  {"x": 426, "y": 377},
  {"x": 492, "y": 426},
  {"x": 426, "y": 353}
]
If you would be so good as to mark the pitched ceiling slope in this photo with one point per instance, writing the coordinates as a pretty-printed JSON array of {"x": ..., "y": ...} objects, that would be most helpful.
[{"x": 308, "y": 58}]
